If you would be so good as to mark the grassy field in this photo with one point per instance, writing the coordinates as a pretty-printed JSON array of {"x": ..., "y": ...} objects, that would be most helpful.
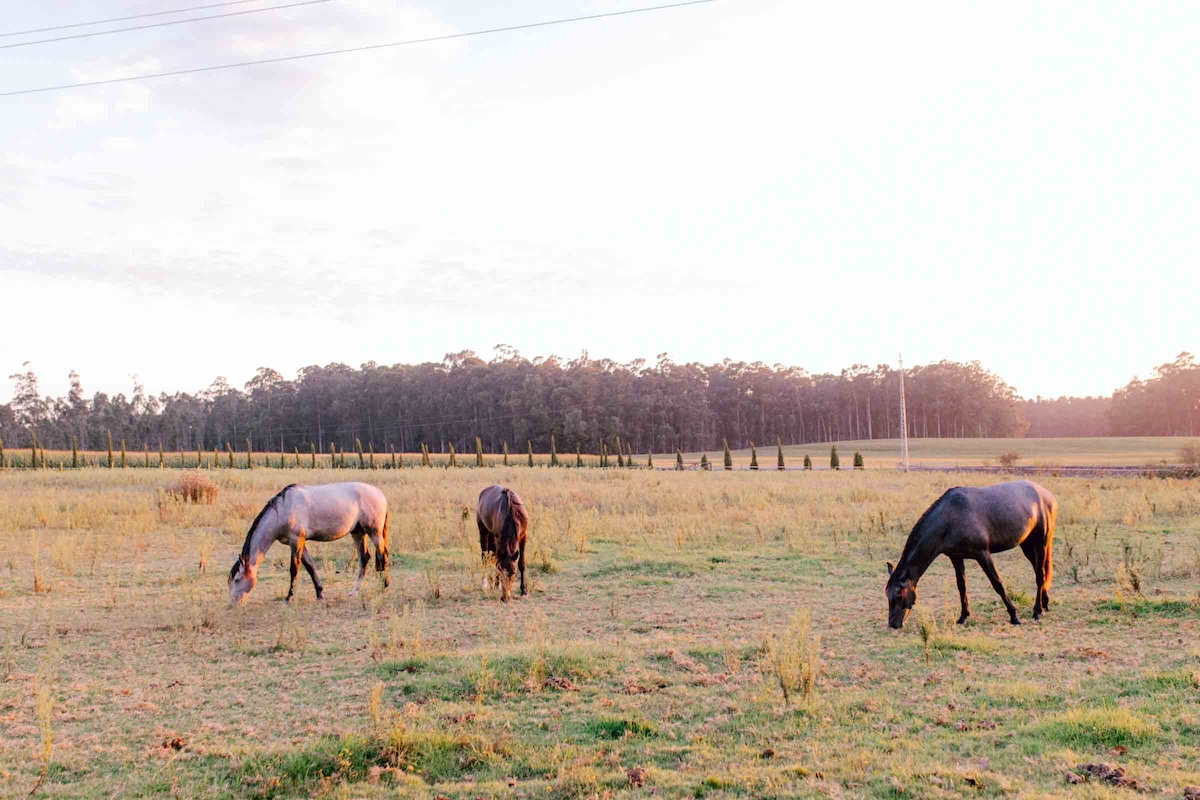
[
  {"x": 1135, "y": 451},
  {"x": 663, "y": 608}
]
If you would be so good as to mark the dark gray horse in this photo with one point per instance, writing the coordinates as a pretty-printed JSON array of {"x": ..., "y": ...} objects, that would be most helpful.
[{"x": 969, "y": 522}]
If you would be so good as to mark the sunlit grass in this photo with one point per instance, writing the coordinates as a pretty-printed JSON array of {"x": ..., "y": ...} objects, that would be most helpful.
[{"x": 644, "y": 643}]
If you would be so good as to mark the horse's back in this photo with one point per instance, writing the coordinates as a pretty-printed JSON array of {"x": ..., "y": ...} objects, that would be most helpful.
[
  {"x": 1009, "y": 512},
  {"x": 490, "y": 507},
  {"x": 338, "y": 508}
]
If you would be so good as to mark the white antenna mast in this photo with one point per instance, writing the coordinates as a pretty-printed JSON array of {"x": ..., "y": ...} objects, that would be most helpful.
[{"x": 903, "y": 422}]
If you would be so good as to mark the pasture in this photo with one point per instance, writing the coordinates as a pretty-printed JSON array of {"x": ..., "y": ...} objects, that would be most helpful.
[{"x": 646, "y": 660}]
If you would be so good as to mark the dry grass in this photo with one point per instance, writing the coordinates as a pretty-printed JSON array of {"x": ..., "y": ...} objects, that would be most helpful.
[
  {"x": 194, "y": 488},
  {"x": 641, "y": 644}
]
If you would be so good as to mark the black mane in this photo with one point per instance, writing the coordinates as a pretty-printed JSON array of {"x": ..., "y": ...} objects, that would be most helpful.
[
  {"x": 916, "y": 530},
  {"x": 272, "y": 503}
]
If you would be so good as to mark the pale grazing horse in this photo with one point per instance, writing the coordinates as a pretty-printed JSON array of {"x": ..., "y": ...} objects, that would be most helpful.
[{"x": 302, "y": 514}]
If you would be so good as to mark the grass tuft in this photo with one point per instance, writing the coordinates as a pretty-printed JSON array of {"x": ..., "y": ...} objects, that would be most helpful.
[{"x": 1097, "y": 728}]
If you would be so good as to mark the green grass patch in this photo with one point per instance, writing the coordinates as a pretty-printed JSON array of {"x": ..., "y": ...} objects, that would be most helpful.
[
  {"x": 411, "y": 666},
  {"x": 1184, "y": 679},
  {"x": 955, "y": 643},
  {"x": 1097, "y": 728},
  {"x": 667, "y": 568},
  {"x": 618, "y": 728},
  {"x": 509, "y": 672},
  {"x": 431, "y": 756},
  {"x": 1146, "y": 607}
]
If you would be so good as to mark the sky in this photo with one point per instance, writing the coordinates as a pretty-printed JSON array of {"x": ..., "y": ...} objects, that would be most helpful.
[{"x": 812, "y": 184}]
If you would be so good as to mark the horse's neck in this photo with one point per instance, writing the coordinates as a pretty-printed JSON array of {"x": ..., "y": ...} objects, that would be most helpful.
[
  {"x": 916, "y": 559},
  {"x": 263, "y": 537}
]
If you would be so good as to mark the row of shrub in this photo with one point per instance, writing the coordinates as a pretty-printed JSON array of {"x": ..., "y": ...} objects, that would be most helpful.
[
  {"x": 121, "y": 457},
  {"x": 834, "y": 461}
]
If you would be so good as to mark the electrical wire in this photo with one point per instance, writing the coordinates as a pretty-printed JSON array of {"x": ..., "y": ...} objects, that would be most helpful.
[
  {"x": 126, "y": 19},
  {"x": 363, "y": 48},
  {"x": 159, "y": 24}
]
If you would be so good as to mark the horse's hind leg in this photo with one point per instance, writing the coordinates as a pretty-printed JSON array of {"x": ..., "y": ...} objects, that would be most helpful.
[
  {"x": 989, "y": 569},
  {"x": 1034, "y": 552},
  {"x": 521, "y": 566},
  {"x": 380, "y": 540},
  {"x": 360, "y": 547},
  {"x": 961, "y": 577},
  {"x": 381, "y": 558},
  {"x": 307, "y": 561}
]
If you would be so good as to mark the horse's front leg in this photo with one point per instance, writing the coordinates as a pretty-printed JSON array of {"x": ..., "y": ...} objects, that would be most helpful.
[
  {"x": 961, "y": 576},
  {"x": 360, "y": 545},
  {"x": 297, "y": 546},
  {"x": 307, "y": 561},
  {"x": 486, "y": 547},
  {"x": 989, "y": 569},
  {"x": 293, "y": 568}
]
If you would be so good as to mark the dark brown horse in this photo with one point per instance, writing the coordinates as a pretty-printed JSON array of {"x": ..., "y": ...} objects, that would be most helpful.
[
  {"x": 969, "y": 522},
  {"x": 503, "y": 521}
]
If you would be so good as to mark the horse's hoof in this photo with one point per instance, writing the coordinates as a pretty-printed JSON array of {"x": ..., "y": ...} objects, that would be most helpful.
[
  {"x": 320, "y": 597},
  {"x": 963, "y": 619},
  {"x": 1015, "y": 621}
]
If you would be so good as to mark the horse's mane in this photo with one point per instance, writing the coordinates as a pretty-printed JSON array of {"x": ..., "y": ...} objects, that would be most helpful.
[
  {"x": 271, "y": 504},
  {"x": 919, "y": 527}
]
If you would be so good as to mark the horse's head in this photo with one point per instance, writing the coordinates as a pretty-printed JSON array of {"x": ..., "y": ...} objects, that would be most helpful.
[
  {"x": 901, "y": 595},
  {"x": 242, "y": 578}
]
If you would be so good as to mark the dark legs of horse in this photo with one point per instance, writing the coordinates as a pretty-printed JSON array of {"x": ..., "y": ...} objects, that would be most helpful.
[
  {"x": 295, "y": 567},
  {"x": 521, "y": 566},
  {"x": 364, "y": 557},
  {"x": 381, "y": 553},
  {"x": 307, "y": 561},
  {"x": 989, "y": 569},
  {"x": 487, "y": 549},
  {"x": 381, "y": 556},
  {"x": 297, "y": 554},
  {"x": 1036, "y": 553},
  {"x": 961, "y": 577}
]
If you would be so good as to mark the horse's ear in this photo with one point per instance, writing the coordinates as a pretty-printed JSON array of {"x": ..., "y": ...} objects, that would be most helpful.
[
  {"x": 245, "y": 562},
  {"x": 891, "y": 568}
]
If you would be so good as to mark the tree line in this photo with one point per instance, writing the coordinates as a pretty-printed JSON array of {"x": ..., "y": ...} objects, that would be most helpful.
[
  {"x": 585, "y": 404},
  {"x": 1165, "y": 404}
]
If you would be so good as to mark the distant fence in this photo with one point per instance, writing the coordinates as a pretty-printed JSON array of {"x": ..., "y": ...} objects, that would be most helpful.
[
  {"x": 1073, "y": 471},
  {"x": 1066, "y": 471}
]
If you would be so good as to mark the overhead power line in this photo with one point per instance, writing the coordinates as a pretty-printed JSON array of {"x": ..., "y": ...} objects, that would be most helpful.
[
  {"x": 360, "y": 49},
  {"x": 160, "y": 24},
  {"x": 126, "y": 19}
]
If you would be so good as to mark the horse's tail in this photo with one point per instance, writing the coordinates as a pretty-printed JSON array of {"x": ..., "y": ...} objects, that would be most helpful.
[
  {"x": 1049, "y": 515},
  {"x": 505, "y": 507},
  {"x": 512, "y": 516},
  {"x": 381, "y": 549}
]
